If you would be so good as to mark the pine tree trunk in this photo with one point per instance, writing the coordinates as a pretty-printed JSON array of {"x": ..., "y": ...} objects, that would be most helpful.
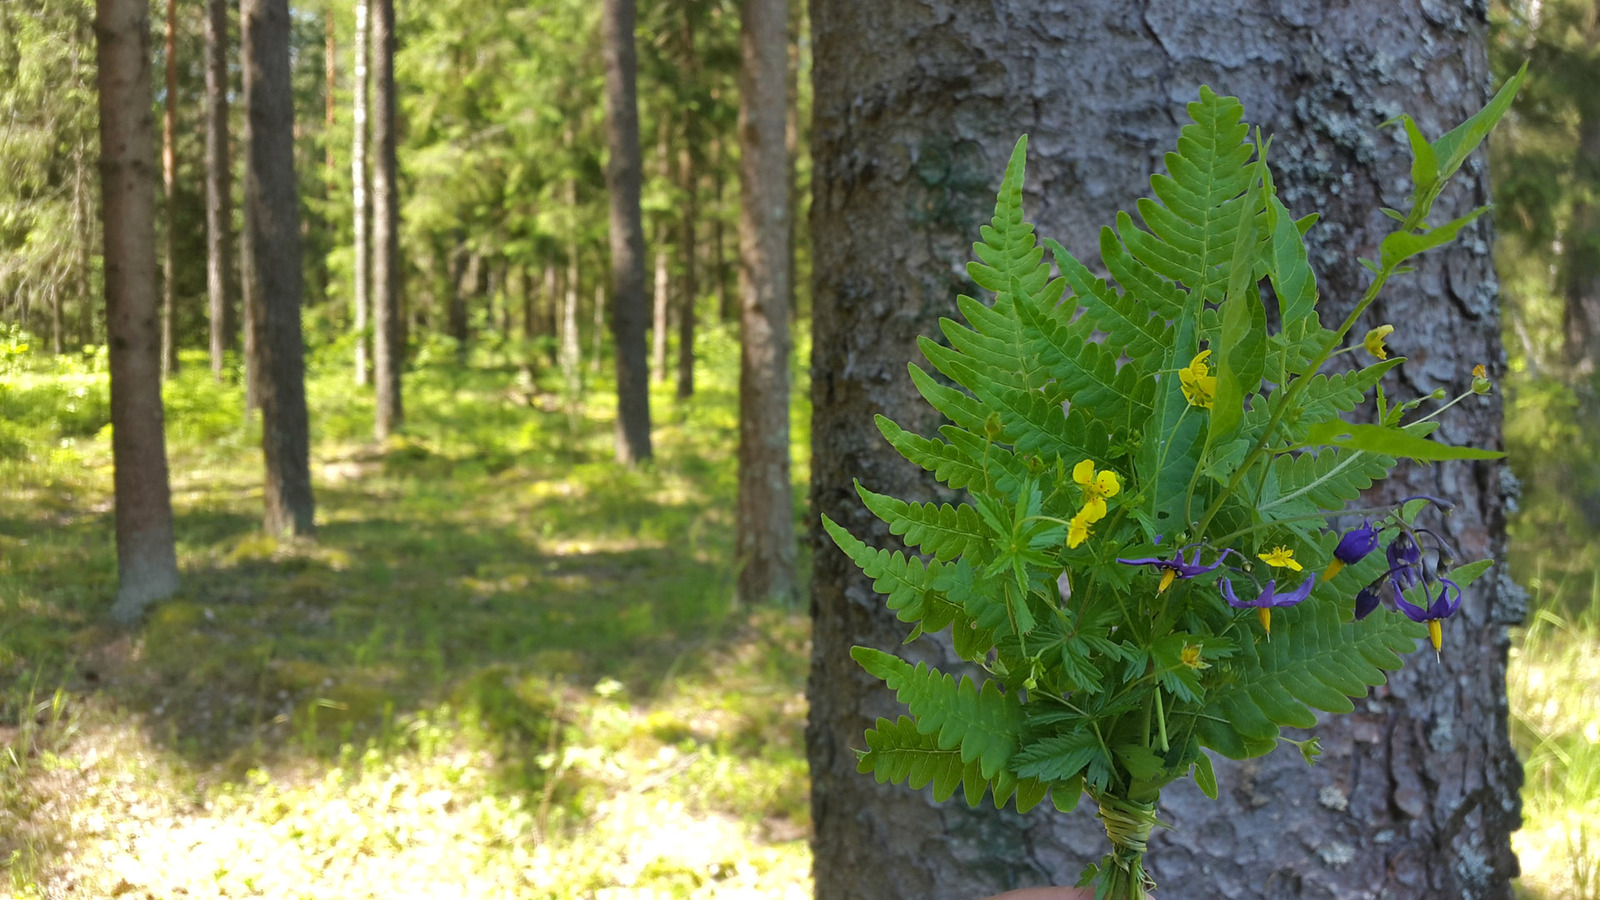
[
  {"x": 360, "y": 203},
  {"x": 272, "y": 244},
  {"x": 623, "y": 176},
  {"x": 548, "y": 309},
  {"x": 169, "y": 180},
  {"x": 83, "y": 241},
  {"x": 147, "y": 566},
  {"x": 689, "y": 183},
  {"x": 571, "y": 350},
  {"x": 330, "y": 89},
  {"x": 916, "y": 109},
  {"x": 765, "y": 517},
  {"x": 726, "y": 311},
  {"x": 599, "y": 328},
  {"x": 219, "y": 189},
  {"x": 658, "y": 324},
  {"x": 388, "y": 323}
]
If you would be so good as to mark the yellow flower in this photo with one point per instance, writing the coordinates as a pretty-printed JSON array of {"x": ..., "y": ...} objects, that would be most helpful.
[
  {"x": 1199, "y": 385},
  {"x": 1374, "y": 341},
  {"x": 1478, "y": 371},
  {"x": 1097, "y": 486},
  {"x": 1480, "y": 380},
  {"x": 1078, "y": 528},
  {"x": 1282, "y": 558},
  {"x": 1191, "y": 657}
]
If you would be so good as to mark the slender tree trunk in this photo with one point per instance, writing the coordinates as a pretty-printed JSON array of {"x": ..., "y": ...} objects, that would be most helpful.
[
  {"x": 57, "y": 324},
  {"x": 466, "y": 287},
  {"x": 360, "y": 204},
  {"x": 765, "y": 516},
  {"x": 1581, "y": 316},
  {"x": 571, "y": 350},
  {"x": 169, "y": 177},
  {"x": 548, "y": 307},
  {"x": 599, "y": 327},
  {"x": 658, "y": 326},
  {"x": 272, "y": 209},
  {"x": 1416, "y": 792},
  {"x": 623, "y": 176},
  {"x": 219, "y": 189},
  {"x": 84, "y": 240},
  {"x": 330, "y": 86},
  {"x": 791, "y": 144},
  {"x": 147, "y": 565},
  {"x": 388, "y": 323},
  {"x": 689, "y": 182},
  {"x": 726, "y": 311}
]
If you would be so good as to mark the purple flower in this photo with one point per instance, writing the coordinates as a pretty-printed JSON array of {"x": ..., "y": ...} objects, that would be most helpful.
[
  {"x": 1405, "y": 561},
  {"x": 1268, "y": 599},
  {"x": 1353, "y": 548},
  {"x": 1441, "y": 607},
  {"x": 1177, "y": 567},
  {"x": 1368, "y": 599}
]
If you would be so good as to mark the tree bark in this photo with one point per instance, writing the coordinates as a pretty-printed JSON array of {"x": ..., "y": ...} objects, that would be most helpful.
[
  {"x": 219, "y": 189},
  {"x": 765, "y": 517},
  {"x": 330, "y": 85},
  {"x": 689, "y": 183},
  {"x": 658, "y": 321},
  {"x": 719, "y": 260},
  {"x": 169, "y": 181},
  {"x": 916, "y": 108},
  {"x": 272, "y": 244},
  {"x": 388, "y": 324},
  {"x": 360, "y": 203},
  {"x": 147, "y": 565},
  {"x": 623, "y": 176},
  {"x": 596, "y": 335}
]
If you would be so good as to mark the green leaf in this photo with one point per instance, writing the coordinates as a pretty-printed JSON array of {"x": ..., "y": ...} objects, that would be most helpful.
[
  {"x": 1204, "y": 775},
  {"x": 1402, "y": 245},
  {"x": 1424, "y": 164},
  {"x": 1467, "y": 574},
  {"x": 983, "y": 722},
  {"x": 1389, "y": 441},
  {"x": 945, "y": 531},
  {"x": 1454, "y": 146}
]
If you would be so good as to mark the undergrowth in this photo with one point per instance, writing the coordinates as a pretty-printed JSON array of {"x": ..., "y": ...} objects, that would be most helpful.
[{"x": 505, "y": 666}]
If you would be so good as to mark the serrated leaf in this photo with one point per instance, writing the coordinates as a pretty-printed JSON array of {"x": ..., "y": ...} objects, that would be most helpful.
[{"x": 1390, "y": 441}]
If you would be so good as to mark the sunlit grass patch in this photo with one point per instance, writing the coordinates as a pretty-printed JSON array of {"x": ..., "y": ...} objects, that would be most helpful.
[
  {"x": 492, "y": 609},
  {"x": 1554, "y": 686}
]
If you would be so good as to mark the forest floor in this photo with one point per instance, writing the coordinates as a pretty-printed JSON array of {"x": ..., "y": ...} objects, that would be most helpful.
[{"x": 506, "y": 667}]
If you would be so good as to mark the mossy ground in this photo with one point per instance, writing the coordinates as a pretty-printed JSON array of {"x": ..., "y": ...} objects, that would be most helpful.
[{"x": 506, "y": 666}]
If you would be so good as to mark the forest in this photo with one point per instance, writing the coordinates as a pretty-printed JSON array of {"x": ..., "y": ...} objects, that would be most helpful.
[{"x": 434, "y": 439}]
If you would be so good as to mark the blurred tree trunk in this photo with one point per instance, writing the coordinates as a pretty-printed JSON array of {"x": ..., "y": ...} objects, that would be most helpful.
[
  {"x": 916, "y": 109},
  {"x": 571, "y": 351},
  {"x": 689, "y": 183},
  {"x": 1582, "y": 314},
  {"x": 660, "y": 299},
  {"x": 765, "y": 524},
  {"x": 466, "y": 286},
  {"x": 597, "y": 334},
  {"x": 147, "y": 566},
  {"x": 83, "y": 233},
  {"x": 548, "y": 310},
  {"x": 719, "y": 260},
  {"x": 791, "y": 145},
  {"x": 272, "y": 244},
  {"x": 360, "y": 203},
  {"x": 219, "y": 188},
  {"x": 330, "y": 89},
  {"x": 388, "y": 316},
  {"x": 623, "y": 176},
  {"x": 169, "y": 181}
]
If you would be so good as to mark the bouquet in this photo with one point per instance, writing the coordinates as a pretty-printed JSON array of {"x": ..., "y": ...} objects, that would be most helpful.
[{"x": 1161, "y": 551}]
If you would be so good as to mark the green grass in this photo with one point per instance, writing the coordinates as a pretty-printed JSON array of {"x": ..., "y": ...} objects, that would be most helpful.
[{"x": 505, "y": 661}]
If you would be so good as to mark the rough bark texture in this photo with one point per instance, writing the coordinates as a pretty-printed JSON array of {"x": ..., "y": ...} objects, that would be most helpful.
[
  {"x": 147, "y": 567},
  {"x": 388, "y": 323},
  {"x": 765, "y": 518},
  {"x": 623, "y": 175},
  {"x": 169, "y": 186},
  {"x": 360, "y": 203},
  {"x": 917, "y": 106},
  {"x": 219, "y": 189},
  {"x": 272, "y": 244}
]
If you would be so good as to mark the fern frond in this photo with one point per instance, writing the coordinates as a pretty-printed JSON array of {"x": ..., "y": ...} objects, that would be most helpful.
[
  {"x": 1008, "y": 249},
  {"x": 905, "y": 581},
  {"x": 897, "y": 751},
  {"x": 982, "y": 722},
  {"x": 1313, "y": 660},
  {"x": 945, "y": 532},
  {"x": 966, "y": 461}
]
